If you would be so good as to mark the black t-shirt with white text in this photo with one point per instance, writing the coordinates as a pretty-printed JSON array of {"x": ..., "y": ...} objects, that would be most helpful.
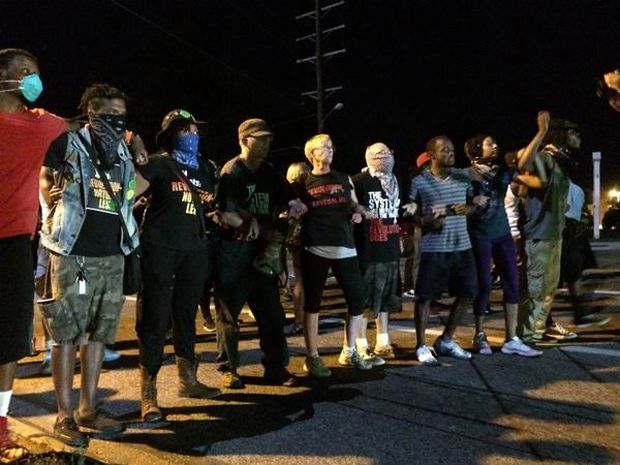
[
  {"x": 171, "y": 219},
  {"x": 377, "y": 239}
]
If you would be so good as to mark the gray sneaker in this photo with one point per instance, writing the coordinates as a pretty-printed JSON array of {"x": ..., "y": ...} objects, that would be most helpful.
[
  {"x": 350, "y": 358},
  {"x": 427, "y": 356},
  {"x": 314, "y": 365},
  {"x": 371, "y": 357},
  {"x": 481, "y": 344},
  {"x": 450, "y": 348}
]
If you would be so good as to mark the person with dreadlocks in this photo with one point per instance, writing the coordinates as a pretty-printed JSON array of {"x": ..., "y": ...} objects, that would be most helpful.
[
  {"x": 378, "y": 248},
  {"x": 490, "y": 234},
  {"x": 88, "y": 231}
]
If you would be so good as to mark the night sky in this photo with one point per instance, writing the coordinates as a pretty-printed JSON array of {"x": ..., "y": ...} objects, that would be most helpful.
[{"x": 413, "y": 69}]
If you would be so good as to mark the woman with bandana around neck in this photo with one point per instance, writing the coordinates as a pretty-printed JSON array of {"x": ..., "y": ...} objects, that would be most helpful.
[
  {"x": 490, "y": 233},
  {"x": 178, "y": 247}
]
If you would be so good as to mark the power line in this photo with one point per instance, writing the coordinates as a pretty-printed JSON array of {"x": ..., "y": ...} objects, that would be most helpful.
[{"x": 198, "y": 49}]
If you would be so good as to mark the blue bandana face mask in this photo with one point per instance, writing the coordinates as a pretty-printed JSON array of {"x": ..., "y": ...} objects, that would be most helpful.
[
  {"x": 185, "y": 149},
  {"x": 30, "y": 86}
]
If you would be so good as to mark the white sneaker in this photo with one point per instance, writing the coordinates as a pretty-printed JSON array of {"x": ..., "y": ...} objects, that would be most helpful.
[
  {"x": 517, "y": 347},
  {"x": 371, "y": 357},
  {"x": 427, "y": 356},
  {"x": 350, "y": 358},
  {"x": 410, "y": 294}
]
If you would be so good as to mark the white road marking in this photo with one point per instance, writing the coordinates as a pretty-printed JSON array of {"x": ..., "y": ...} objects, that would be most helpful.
[{"x": 592, "y": 350}]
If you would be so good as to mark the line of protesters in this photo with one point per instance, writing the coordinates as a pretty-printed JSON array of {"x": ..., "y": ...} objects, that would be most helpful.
[{"x": 229, "y": 227}]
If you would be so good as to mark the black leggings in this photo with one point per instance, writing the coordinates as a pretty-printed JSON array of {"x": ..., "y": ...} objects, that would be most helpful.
[{"x": 348, "y": 274}]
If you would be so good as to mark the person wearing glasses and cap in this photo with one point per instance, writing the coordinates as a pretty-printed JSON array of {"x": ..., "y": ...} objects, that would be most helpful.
[
  {"x": 251, "y": 195},
  {"x": 178, "y": 247}
]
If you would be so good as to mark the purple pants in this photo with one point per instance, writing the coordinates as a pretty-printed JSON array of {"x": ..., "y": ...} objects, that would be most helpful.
[{"x": 503, "y": 253}]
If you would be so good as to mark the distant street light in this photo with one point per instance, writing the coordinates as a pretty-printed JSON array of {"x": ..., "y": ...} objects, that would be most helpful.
[{"x": 339, "y": 106}]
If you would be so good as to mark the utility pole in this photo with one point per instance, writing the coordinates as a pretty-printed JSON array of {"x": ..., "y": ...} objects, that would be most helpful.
[
  {"x": 596, "y": 165},
  {"x": 319, "y": 58},
  {"x": 320, "y": 92}
]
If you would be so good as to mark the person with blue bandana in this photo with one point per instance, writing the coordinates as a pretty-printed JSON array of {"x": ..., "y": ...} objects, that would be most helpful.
[{"x": 178, "y": 255}]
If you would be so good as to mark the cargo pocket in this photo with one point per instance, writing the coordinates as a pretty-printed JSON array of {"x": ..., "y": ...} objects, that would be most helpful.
[{"x": 58, "y": 320}]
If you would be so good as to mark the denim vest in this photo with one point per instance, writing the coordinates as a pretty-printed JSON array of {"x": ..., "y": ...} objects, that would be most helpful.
[{"x": 60, "y": 232}]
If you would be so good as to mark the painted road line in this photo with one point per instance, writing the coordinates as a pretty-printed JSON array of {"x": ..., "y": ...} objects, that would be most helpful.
[{"x": 592, "y": 351}]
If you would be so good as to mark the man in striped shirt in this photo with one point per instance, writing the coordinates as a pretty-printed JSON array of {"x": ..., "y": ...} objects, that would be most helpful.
[{"x": 442, "y": 194}]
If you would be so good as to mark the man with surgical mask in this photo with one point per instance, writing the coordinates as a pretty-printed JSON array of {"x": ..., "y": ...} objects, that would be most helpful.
[
  {"x": 25, "y": 135},
  {"x": 89, "y": 230}
]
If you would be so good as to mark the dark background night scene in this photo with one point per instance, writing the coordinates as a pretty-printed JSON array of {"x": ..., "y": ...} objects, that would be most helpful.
[{"x": 412, "y": 69}]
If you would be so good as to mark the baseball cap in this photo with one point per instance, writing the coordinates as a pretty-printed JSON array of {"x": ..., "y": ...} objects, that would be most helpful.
[
  {"x": 558, "y": 123},
  {"x": 422, "y": 159},
  {"x": 254, "y": 127},
  {"x": 178, "y": 114}
]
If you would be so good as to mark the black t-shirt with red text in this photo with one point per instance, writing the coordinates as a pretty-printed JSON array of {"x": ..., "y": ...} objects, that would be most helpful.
[
  {"x": 328, "y": 220},
  {"x": 171, "y": 219},
  {"x": 377, "y": 239}
]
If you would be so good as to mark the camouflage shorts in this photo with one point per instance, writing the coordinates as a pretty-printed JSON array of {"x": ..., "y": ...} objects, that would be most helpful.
[
  {"x": 381, "y": 283},
  {"x": 94, "y": 313}
]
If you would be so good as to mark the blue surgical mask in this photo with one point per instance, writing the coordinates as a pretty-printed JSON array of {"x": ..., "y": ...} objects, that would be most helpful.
[
  {"x": 185, "y": 149},
  {"x": 30, "y": 86}
]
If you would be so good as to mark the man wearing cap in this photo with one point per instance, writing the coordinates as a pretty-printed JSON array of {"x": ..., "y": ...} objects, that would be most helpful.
[
  {"x": 251, "y": 194},
  {"x": 543, "y": 229},
  {"x": 25, "y": 135},
  {"x": 88, "y": 231}
]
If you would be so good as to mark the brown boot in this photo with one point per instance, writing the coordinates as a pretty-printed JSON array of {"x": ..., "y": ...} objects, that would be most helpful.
[
  {"x": 189, "y": 386},
  {"x": 148, "y": 397}
]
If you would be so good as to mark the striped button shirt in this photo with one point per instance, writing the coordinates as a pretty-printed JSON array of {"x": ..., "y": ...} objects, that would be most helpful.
[{"x": 432, "y": 193}]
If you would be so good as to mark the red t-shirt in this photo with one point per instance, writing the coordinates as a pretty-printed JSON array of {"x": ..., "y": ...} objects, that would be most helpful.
[{"x": 24, "y": 139}]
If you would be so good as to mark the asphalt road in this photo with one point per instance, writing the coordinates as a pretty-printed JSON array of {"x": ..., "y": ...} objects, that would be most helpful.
[{"x": 499, "y": 409}]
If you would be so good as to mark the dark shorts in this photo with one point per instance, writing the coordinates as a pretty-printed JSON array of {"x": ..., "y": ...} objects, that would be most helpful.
[
  {"x": 576, "y": 252},
  {"x": 381, "y": 282},
  {"x": 16, "y": 297},
  {"x": 455, "y": 271}
]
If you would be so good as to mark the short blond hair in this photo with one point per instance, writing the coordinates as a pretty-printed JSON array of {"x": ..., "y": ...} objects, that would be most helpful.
[
  {"x": 296, "y": 170},
  {"x": 313, "y": 142}
]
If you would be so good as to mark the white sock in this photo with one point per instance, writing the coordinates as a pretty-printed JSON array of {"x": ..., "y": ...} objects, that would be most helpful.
[
  {"x": 383, "y": 339},
  {"x": 347, "y": 348},
  {"x": 361, "y": 344},
  {"x": 313, "y": 354},
  {"x": 5, "y": 400}
]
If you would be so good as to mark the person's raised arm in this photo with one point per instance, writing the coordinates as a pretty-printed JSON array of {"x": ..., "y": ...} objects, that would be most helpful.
[{"x": 526, "y": 158}]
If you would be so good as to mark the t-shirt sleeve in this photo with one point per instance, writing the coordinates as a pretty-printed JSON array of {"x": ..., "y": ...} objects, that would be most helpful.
[
  {"x": 413, "y": 191},
  {"x": 54, "y": 125},
  {"x": 56, "y": 152},
  {"x": 228, "y": 196},
  {"x": 151, "y": 170}
]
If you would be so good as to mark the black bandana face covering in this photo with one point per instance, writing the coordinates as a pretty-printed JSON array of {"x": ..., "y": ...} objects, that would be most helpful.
[{"x": 108, "y": 132}]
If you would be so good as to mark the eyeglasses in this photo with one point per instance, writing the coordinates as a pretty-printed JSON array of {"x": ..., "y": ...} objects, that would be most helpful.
[
  {"x": 325, "y": 147},
  {"x": 267, "y": 137},
  {"x": 384, "y": 153}
]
